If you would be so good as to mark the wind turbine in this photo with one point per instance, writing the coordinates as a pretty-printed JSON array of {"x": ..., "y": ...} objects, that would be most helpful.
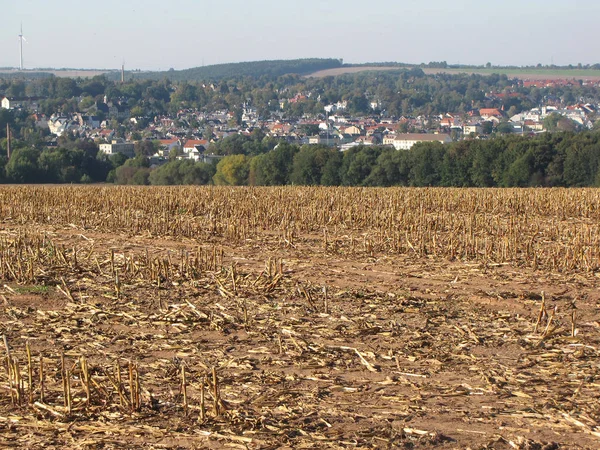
[{"x": 21, "y": 39}]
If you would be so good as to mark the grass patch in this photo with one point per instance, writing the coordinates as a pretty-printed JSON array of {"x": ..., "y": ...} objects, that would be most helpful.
[{"x": 35, "y": 289}]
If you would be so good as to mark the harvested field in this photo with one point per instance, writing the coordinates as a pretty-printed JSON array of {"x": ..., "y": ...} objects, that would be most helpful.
[
  {"x": 590, "y": 75},
  {"x": 355, "y": 69},
  {"x": 64, "y": 73},
  {"x": 299, "y": 318}
]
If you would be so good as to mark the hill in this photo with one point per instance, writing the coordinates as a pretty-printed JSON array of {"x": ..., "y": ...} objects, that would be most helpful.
[{"x": 273, "y": 68}]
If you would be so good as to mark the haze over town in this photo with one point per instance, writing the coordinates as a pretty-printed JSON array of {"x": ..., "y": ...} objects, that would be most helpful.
[{"x": 155, "y": 35}]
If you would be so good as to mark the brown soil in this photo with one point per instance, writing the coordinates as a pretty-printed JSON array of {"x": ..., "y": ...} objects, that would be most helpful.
[
  {"x": 396, "y": 352},
  {"x": 345, "y": 70}
]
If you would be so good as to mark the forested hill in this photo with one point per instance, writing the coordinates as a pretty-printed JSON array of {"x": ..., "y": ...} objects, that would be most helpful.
[{"x": 233, "y": 70}]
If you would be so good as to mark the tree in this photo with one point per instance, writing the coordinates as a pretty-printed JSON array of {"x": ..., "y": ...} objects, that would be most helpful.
[
  {"x": 551, "y": 121},
  {"x": 426, "y": 163},
  {"x": 308, "y": 164},
  {"x": 232, "y": 171},
  {"x": 182, "y": 172},
  {"x": 23, "y": 166},
  {"x": 505, "y": 128},
  {"x": 357, "y": 164},
  {"x": 330, "y": 175},
  {"x": 273, "y": 168},
  {"x": 146, "y": 148},
  {"x": 132, "y": 175},
  {"x": 487, "y": 127},
  {"x": 61, "y": 165}
]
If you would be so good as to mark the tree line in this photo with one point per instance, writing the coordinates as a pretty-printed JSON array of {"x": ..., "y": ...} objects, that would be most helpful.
[{"x": 547, "y": 160}]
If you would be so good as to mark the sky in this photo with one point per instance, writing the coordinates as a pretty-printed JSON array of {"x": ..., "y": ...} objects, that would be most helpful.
[{"x": 180, "y": 34}]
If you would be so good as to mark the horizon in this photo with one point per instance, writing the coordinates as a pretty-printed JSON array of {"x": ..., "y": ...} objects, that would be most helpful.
[
  {"x": 363, "y": 64},
  {"x": 150, "y": 36}
]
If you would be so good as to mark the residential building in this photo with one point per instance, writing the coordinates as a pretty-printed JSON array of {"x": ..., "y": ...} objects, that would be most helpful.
[
  {"x": 59, "y": 124},
  {"x": 199, "y": 145},
  {"x": 166, "y": 145},
  {"x": 406, "y": 141},
  {"x": 490, "y": 113},
  {"x": 474, "y": 128},
  {"x": 20, "y": 102},
  {"x": 117, "y": 146}
]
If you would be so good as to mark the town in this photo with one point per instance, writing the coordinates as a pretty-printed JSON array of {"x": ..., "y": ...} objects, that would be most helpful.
[{"x": 200, "y": 117}]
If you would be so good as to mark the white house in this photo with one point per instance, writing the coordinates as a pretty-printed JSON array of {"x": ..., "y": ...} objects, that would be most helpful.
[
  {"x": 22, "y": 102},
  {"x": 195, "y": 144},
  {"x": 406, "y": 141},
  {"x": 58, "y": 125},
  {"x": 116, "y": 146}
]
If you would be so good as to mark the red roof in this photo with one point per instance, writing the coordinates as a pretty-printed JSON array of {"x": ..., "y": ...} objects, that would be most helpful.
[
  {"x": 195, "y": 142},
  {"x": 489, "y": 112}
]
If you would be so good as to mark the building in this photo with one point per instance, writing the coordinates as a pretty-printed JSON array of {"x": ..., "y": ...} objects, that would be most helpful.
[
  {"x": 20, "y": 102},
  {"x": 116, "y": 146},
  {"x": 490, "y": 114},
  {"x": 193, "y": 145},
  {"x": 474, "y": 128},
  {"x": 406, "y": 141},
  {"x": 58, "y": 125},
  {"x": 166, "y": 145},
  {"x": 352, "y": 130}
]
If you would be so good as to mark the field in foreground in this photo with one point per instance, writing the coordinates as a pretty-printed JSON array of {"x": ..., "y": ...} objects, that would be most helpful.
[{"x": 299, "y": 318}]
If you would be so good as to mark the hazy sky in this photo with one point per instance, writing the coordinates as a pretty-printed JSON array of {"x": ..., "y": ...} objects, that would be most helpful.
[{"x": 160, "y": 34}]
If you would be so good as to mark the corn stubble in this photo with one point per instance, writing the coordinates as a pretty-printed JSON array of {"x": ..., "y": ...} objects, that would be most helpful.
[{"x": 156, "y": 305}]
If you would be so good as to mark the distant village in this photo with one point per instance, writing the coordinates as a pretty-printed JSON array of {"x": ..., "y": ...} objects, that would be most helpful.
[{"x": 180, "y": 135}]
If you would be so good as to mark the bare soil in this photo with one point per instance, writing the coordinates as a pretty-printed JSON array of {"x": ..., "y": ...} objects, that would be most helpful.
[
  {"x": 312, "y": 348},
  {"x": 345, "y": 70}
]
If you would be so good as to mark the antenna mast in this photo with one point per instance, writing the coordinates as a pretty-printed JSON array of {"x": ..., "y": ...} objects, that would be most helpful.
[{"x": 21, "y": 48}]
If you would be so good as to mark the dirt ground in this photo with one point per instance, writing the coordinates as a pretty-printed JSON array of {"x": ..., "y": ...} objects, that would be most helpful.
[{"x": 312, "y": 348}]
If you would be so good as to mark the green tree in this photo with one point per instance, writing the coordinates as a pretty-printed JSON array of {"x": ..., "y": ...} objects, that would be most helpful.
[
  {"x": 357, "y": 164},
  {"x": 330, "y": 175},
  {"x": 232, "y": 171},
  {"x": 308, "y": 164},
  {"x": 426, "y": 163},
  {"x": 146, "y": 148},
  {"x": 273, "y": 168},
  {"x": 182, "y": 172},
  {"x": 505, "y": 128},
  {"x": 23, "y": 166}
]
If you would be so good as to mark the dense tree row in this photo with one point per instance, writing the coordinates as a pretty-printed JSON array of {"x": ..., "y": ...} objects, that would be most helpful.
[
  {"x": 561, "y": 159},
  {"x": 73, "y": 161}
]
